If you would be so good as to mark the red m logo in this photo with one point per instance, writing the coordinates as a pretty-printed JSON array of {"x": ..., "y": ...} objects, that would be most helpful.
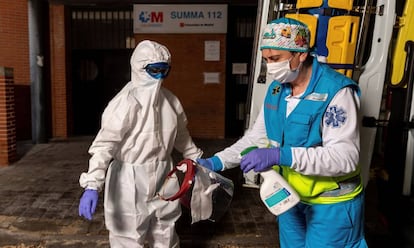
[{"x": 156, "y": 17}]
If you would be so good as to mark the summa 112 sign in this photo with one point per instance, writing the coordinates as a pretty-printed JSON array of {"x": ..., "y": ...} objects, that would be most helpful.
[{"x": 153, "y": 18}]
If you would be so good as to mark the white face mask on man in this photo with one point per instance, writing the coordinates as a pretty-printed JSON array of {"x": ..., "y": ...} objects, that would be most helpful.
[{"x": 280, "y": 71}]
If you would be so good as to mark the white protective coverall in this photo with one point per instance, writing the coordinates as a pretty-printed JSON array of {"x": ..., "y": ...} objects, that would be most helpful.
[{"x": 140, "y": 128}]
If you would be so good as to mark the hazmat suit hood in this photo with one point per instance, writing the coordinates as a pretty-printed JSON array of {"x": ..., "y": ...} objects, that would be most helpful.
[{"x": 147, "y": 52}]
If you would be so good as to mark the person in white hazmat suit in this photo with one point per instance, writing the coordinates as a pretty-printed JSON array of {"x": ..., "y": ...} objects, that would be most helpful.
[{"x": 131, "y": 155}]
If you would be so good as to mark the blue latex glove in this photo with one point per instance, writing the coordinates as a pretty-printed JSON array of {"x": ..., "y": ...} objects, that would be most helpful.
[
  {"x": 213, "y": 163},
  {"x": 88, "y": 202},
  {"x": 260, "y": 159}
]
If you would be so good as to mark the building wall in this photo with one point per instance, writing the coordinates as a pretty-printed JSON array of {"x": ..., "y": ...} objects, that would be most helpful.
[
  {"x": 14, "y": 53},
  {"x": 204, "y": 104},
  {"x": 14, "y": 44},
  {"x": 7, "y": 118},
  {"x": 59, "y": 89}
]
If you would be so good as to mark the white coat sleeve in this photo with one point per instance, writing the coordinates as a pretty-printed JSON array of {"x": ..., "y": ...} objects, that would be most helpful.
[
  {"x": 114, "y": 125},
  {"x": 339, "y": 153},
  {"x": 256, "y": 136}
]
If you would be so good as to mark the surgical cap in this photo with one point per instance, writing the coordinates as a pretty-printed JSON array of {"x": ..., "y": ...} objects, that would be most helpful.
[{"x": 286, "y": 34}]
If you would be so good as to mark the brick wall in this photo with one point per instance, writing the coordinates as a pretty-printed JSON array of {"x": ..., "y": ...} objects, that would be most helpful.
[
  {"x": 7, "y": 118},
  {"x": 14, "y": 42},
  {"x": 14, "y": 53},
  {"x": 58, "y": 68}
]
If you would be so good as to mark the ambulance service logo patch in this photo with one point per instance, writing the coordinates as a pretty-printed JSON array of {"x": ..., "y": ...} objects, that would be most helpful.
[
  {"x": 335, "y": 116},
  {"x": 276, "y": 90}
]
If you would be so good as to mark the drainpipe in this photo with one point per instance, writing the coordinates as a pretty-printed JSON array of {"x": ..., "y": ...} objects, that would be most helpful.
[{"x": 36, "y": 16}]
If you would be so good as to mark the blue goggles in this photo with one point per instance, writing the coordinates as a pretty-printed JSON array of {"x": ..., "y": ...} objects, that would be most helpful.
[{"x": 158, "y": 70}]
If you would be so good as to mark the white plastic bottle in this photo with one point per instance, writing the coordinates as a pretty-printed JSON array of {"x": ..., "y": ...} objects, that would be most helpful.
[{"x": 277, "y": 195}]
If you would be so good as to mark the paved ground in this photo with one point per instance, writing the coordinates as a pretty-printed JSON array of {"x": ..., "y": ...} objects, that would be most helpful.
[{"x": 39, "y": 197}]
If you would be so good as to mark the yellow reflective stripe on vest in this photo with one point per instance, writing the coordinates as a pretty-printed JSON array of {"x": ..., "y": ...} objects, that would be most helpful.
[{"x": 310, "y": 188}]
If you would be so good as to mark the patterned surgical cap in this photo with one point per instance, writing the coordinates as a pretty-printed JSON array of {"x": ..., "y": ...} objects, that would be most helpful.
[{"x": 286, "y": 34}]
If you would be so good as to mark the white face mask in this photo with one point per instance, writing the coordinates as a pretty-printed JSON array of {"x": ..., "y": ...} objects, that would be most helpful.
[{"x": 280, "y": 71}]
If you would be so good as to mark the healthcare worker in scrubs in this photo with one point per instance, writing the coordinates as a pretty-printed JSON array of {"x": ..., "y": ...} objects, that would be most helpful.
[
  {"x": 308, "y": 128},
  {"x": 131, "y": 155}
]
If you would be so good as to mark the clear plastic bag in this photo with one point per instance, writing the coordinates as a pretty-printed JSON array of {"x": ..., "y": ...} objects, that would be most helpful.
[{"x": 206, "y": 193}]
